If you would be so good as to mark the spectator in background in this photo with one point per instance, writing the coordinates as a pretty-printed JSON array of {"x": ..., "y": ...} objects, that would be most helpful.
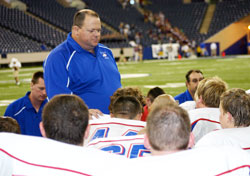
[
  {"x": 152, "y": 94},
  {"x": 15, "y": 64},
  {"x": 82, "y": 66},
  {"x": 122, "y": 56},
  {"x": 8, "y": 124},
  {"x": 193, "y": 77},
  {"x": 213, "y": 48},
  {"x": 65, "y": 118},
  {"x": 28, "y": 110}
]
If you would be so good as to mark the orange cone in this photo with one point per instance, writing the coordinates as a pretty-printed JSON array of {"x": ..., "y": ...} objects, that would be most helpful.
[
  {"x": 223, "y": 54},
  {"x": 179, "y": 57}
]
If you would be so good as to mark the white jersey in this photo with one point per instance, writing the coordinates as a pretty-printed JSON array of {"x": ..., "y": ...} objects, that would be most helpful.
[
  {"x": 203, "y": 121},
  {"x": 6, "y": 164},
  {"x": 38, "y": 156},
  {"x": 188, "y": 105},
  {"x": 238, "y": 137},
  {"x": 112, "y": 127},
  {"x": 195, "y": 162},
  {"x": 128, "y": 146},
  {"x": 15, "y": 63}
]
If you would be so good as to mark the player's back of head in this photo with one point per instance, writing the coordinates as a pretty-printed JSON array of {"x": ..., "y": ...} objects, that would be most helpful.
[
  {"x": 65, "y": 118},
  {"x": 210, "y": 90},
  {"x": 168, "y": 128},
  {"x": 237, "y": 102},
  {"x": 127, "y": 107}
]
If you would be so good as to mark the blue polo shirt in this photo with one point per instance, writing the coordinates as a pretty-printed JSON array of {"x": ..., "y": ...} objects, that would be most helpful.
[
  {"x": 185, "y": 96},
  {"x": 26, "y": 115},
  {"x": 69, "y": 69}
]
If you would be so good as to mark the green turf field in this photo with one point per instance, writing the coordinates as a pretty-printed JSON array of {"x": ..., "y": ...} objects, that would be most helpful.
[{"x": 168, "y": 75}]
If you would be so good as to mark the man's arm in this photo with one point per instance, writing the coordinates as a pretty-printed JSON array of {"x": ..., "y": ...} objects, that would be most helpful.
[{"x": 56, "y": 75}]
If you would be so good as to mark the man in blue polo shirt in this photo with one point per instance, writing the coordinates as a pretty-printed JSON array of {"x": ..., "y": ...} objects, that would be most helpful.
[
  {"x": 193, "y": 77},
  {"x": 82, "y": 66},
  {"x": 28, "y": 110}
]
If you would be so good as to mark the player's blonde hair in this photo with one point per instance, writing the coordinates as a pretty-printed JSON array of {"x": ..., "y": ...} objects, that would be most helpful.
[{"x": 210, "y": 90}]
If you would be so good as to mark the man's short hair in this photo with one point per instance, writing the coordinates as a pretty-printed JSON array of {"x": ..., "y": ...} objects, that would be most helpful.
[
  {"x": 210, "y": 89},
  {"x": 36, "y": 76},
  {"x": 8, "y": 124},
  {"x": 65, "y": 118},
  {"x": 126, "y": 107},
  {"x": 189, "y": 73},
  {"x": 237, "y": 102},
  {"x": 80, "y": 15},
  {"x": 155, "y": 92},
  {"x": 127, "y": 91},
  {"x": 168, "y": 128}
]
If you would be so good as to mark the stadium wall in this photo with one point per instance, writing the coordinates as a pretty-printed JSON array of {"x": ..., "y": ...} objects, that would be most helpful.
[
  {"x": 41, "y": 56},
  {"x": 231, "y": 35}
]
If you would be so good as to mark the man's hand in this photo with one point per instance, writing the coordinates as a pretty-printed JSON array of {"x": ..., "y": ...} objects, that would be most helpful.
[{"x": 95, "y": 113}]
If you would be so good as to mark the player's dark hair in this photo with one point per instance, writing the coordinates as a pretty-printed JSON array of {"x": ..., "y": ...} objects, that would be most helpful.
[
  {"x": 65, "y": 118},
  {"x": 155, "y": 92},
  {"x": 189, "y": 73},
  {"x": 36, "y": 76},
  {"x": 126, "y": 107}
]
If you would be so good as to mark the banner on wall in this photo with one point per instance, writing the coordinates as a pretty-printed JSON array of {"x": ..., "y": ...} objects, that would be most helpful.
[{"x": 164, "y": 50}]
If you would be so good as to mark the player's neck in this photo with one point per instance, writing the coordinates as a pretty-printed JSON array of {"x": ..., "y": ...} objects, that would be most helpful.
[{"x": 159, "y": 153}]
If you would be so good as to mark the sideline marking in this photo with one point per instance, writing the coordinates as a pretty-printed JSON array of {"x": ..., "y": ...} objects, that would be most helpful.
[
  {"x": 5, "y": 102},
  {"x": 168, "y": 85},
  {"x": 124, "y": 76}
]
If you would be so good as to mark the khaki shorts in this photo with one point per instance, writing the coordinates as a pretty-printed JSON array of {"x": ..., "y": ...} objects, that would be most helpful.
[{"x": 15, "y": 73}]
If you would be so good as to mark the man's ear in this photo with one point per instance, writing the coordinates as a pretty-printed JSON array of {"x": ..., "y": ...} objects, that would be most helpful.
[
  {"x": 112, "y": 115},
  {"x": 191, "y": 140},
  {"x": 42, "y": 130},
  {"x": 230, "y": 119},
  {"x": 199, "y": 102},
  {"x": 146, "y": 142},
  {"x": 86, "y": 135},
  {"x": 148, "y": 102},
  {"x": 75, "y": 30}
]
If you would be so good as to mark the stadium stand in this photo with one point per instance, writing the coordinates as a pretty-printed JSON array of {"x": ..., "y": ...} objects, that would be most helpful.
[
  {"x": 227, "y": 12},
  {"x": 28, "y": 26},
  {"x": 14, "y": 43},
  {"x": 35, "y": 25}
]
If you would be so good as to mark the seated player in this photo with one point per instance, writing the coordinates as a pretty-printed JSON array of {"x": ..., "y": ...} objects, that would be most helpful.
[
  {"x": 124, "y": 107},
  {"x": 65, "y": 118},
  {"x": 168, "y": 130},
  {"x": 112, "y": 127},
  {"x": 168, "y": 137},
  {"x": 234, "y": 119},
  {"x": 64, "y": 126},
  {"x": 205, "y": 118}
]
